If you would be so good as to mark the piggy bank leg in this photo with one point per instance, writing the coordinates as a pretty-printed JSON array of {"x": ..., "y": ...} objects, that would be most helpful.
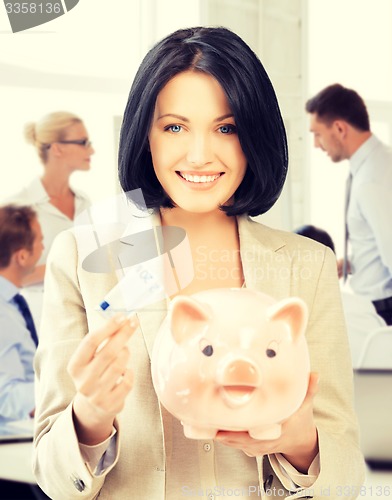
[
  {"x": 266, "y": 432},
  {"x": 192, "y": 432}
]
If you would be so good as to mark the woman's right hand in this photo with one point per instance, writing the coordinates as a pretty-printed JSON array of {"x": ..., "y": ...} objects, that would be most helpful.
[{"x": 100, "y": 372}]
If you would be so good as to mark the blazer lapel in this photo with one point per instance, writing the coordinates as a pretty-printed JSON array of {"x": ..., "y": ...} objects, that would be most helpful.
[
  {"x": 151, "y": 316},
  {"x": 264, "y": 258},
  {"x": 150, "y": 319}
]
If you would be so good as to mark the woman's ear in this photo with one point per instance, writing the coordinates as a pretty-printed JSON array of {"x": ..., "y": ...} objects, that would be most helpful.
[{"x": 56, "y": 149}]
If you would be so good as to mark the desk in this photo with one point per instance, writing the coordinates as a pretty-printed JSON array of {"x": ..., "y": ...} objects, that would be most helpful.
[{"x": 16, "y": 462}]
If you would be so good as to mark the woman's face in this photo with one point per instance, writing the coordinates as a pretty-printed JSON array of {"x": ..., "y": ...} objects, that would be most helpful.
[
  {"x": 77, "y": 156},
  {"x": 194, "y": 145}
]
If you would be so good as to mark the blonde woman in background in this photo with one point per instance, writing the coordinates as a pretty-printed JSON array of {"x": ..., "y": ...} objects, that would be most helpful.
[{"x": 63, "y": 146}]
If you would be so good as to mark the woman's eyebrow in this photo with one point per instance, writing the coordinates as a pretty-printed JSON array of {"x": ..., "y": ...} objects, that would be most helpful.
[
  {"x": 173, "y": 115},
  {"x": 223, "y": 117},
  {"x": 184, "y": 119}
]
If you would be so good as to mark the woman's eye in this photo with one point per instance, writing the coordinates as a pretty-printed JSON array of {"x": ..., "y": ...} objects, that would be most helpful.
[
  {"x": 227, "y": 129},
  {"x": 174, "y": 128}
]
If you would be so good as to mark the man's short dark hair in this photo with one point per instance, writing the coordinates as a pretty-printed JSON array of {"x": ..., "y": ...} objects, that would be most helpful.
[
  {"x": 222, "y": 54},
  {"x": 316, "y": 234},
  {"x": 15, "y": 231},
  {"x": 339, "y": 103}
]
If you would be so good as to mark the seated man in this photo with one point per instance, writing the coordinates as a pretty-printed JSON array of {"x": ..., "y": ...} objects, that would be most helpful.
[
  {"x": 20, "y": 248},
  {"x": 360, "y": 314}
]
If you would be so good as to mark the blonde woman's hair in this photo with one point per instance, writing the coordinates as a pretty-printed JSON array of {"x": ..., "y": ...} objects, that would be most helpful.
[{"x": 51, "y": 128}]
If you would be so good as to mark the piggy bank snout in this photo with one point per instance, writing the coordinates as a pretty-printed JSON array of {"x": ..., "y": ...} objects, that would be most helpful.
[
  {"x": 238, "y": 379},
  {"x": 240, "y": 372}
]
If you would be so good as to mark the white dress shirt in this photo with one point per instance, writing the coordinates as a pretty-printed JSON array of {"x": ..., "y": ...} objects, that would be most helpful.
[
  {"x": 17, "y": 351},
  {"x": 369, "y": 220},
  {"x": 51, "y": 219}
]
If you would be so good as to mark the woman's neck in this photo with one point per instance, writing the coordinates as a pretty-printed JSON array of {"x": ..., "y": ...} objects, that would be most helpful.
[
  {"x": 214, "y": 245},
  {"x": 60, "y": 194},
  {"x": 200, "y": 222},
  {"x": 56, "y": 184}
]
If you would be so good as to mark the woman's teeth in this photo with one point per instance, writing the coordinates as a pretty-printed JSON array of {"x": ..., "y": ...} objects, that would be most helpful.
[{"x": 199, "y": 178}]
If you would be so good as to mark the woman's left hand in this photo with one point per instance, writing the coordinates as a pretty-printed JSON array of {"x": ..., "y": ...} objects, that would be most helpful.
[{"x": 298, "y": 441}]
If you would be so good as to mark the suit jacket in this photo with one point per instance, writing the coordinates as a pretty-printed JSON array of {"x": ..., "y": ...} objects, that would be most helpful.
[{"x": 275, "y": 262}]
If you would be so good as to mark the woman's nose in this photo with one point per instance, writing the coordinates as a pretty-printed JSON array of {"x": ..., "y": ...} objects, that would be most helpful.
[{"x": 199, "y": 152}]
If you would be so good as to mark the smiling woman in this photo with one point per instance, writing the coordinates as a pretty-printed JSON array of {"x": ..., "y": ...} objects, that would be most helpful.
[{"x": 203, "y": 138}]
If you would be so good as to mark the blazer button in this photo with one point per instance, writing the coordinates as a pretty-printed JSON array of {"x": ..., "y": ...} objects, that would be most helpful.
[{"x": 79, "y": 484}]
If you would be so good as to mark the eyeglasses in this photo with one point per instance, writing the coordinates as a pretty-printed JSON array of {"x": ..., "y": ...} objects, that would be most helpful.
[{"x": 86, "y": 143}]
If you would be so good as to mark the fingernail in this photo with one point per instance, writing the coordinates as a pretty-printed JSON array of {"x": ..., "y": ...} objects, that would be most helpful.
[
  {"x": 119, "y": 318},
  {"x": 133, "y": 320}
]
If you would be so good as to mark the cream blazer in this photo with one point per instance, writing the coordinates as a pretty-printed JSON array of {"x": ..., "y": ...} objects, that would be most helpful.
[{"x": 275, "y": 262}]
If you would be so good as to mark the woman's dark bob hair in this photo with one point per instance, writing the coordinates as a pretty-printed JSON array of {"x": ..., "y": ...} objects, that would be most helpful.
[{"x": 224, "y": 55}]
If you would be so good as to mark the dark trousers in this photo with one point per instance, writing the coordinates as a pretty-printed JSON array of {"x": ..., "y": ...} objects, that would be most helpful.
[
  {"x": 387, "y": 316},
  {"x": 12, "y": 490},
  {"x": 384, "y": 309}
]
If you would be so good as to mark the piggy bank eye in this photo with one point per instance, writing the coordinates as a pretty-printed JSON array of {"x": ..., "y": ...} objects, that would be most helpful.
[
  {"x": 206, "y": 348},
  {"x": 272, "y": 350}
]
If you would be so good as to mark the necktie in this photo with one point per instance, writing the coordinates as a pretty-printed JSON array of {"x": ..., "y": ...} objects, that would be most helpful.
[
  {"x": 26, "y": 313},
  {"x": 347, "y": 203}
]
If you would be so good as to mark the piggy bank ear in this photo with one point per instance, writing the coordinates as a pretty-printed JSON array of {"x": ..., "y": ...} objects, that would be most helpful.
[
  {"x": 188, "y": 318},
  {"x": 294, "y": 312}
]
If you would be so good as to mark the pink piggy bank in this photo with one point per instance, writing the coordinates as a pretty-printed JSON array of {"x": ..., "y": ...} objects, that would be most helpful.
[{"x": 232, "y": 359}]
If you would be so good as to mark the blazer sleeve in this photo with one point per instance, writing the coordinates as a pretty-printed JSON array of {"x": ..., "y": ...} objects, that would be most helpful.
[
  {"x": 341, "y": 461},
  {"x": 57, "y": 461}
]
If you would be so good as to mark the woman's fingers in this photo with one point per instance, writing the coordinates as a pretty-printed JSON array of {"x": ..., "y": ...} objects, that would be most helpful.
[
  {"x": 100, "y": 371},
  {"x": 114, "y": 371},
  {"x": 104, "y": 343},
  {"x": 112, "y": 401}
]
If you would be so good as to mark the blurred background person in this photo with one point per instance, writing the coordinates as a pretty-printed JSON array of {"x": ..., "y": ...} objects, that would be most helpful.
[
  {"x": 20, "y": 249},
  {"x": 339, "y": 121},
  {"x": 63, "y": 146},
  {"x": 316, "y": 234},
  {"x": 360, "y": 314}
]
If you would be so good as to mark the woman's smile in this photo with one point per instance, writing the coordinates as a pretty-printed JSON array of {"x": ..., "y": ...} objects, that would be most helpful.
[{"x": 202, "y": 178}]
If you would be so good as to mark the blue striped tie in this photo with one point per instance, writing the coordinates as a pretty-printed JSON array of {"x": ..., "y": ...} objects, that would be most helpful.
[{"x": 25, "y": 312}]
